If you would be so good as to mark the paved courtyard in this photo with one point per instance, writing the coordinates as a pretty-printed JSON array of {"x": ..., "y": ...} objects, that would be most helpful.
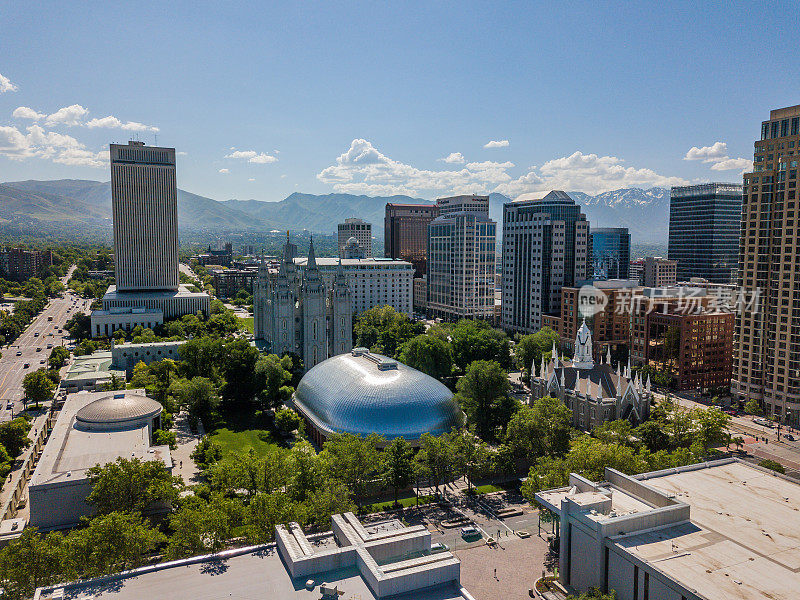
[{"x": 518, "y": 563}]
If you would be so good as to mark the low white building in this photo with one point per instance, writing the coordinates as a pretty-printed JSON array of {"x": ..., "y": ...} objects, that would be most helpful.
[
  {"x": 126, "y": 356},
  {"x": 709, "y": 531},
  {"x": 105, "y": 322},
  {"x": 91, "y": 429},
  {"x": 372, "y": 281},
  {"x": 91, "y": 372}
]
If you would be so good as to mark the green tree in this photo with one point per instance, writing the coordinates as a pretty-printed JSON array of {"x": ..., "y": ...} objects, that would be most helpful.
[
  {"x": 773, "y": 465},
  {"x": 530, "y": 348},
  {"x": 353, "y": 460},
  {"x": 430, "y": 354},
  {"x": 472, "y": 457},
  {"x": 614, "y": 432},
  {"x": 711, "y": 426},
  {"x": 38, "y": 387},
  {"x": 477, "y": 340},
  {"x": 436, "y": 459},
  {"x": 238, "y": 369},
  {"x": 753, "y": 407},
  {"x": 540, "y": 429},
  {"x": 58, "y": 356},
  {"x": 29, "y": 562},
  {"x": 307, "y": 469},
  {"x": 264, "y": 513},
  {"x": 287, "y": 420},
  {"x": 652, "y": 435},
  {"x": 398, "y": 464},
  {"x": 330, "y": 498},
  {"x": 200, "y": 527},
  {"x": 131, "y": 485},
  {"x": 383, "y": 330},
  {"x": 594, "y": 594},
  {"x": 14, "y": 436},
  {"x": 110, "y": 543},
  {"x": 482, "y": 394},
  {"x": 272, "y": 373},
  {"x": 199, "y": 395}
]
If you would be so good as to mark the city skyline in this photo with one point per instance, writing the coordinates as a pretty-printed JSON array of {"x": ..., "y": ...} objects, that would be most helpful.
[{"x": 280, "y": 111}]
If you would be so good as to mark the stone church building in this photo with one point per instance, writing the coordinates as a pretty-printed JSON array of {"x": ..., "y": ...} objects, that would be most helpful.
[
  {"x": 595, "y": 393},
  {"x": 300, "y": 314}
]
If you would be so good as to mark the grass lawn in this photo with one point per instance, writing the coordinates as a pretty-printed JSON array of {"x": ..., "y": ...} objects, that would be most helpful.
[
  {"x": 247, "y": 323},
  {"x": 239, "y": 432},
  {"x": 489, "y": 487},
  {"x": 404, "y": 502}
]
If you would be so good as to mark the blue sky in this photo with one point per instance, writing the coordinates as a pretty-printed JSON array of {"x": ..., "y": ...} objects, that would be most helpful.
[{"x": 266, "y": 99}]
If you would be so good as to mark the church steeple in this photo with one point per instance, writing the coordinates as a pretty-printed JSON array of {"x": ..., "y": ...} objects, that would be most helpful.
[{"x": 583, "y": 348}]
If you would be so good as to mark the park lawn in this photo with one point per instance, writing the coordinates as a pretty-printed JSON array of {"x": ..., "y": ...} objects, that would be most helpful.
[
  {"x": 404, "y": 502},
  {"x": 489, "y": 487},
  {"x": 247, "y": 323},
  {"x": 239, "y": 432}
]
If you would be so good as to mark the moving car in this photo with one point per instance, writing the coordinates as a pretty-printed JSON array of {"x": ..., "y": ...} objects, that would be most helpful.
[{"x": 19, "y": 352}]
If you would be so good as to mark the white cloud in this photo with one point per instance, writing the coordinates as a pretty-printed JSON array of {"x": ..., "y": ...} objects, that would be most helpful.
[
  {"x": 496, "y": 144},
  {"x": 181, "y": 153},
  {"x": 24, "y": 112},
  {"x": 224, "y": 171},
  {"x": 252, "y": 156},
  {"x": 252, "y": 179},
  {"x": 730, "y": 164},
  {"x": 454, "y": 158},
  {"x": 713, "y": 153},
  {"x": 38, "y": 143},
  {"x": 112, "y": 122},
  {"x": 6, "y": 85},
  {"x": 363, "y": 169},
  {"x": 68, "y": 115},
  {"x": 717, "y": 154}
]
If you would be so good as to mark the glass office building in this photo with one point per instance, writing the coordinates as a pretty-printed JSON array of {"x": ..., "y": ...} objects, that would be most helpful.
[
  {"x": 704, "y": 223},
  {"x": 611, "y": 252}
]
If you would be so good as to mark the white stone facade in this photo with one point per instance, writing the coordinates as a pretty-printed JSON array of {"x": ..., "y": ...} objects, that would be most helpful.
[{"x": 300, "y": 313}]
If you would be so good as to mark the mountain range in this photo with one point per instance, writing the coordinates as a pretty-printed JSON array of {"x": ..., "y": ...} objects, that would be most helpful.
[{"x": 68, "y": 203}]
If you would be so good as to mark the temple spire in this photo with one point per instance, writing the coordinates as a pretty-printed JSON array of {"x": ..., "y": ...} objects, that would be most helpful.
[{"x": 312, "y": 259}]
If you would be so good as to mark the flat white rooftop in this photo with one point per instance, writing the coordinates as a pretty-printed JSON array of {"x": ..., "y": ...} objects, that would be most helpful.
[
  {"x": 258, "y": 573},
  {"x": 69, "y": 451},
  {"x": 743, "y": 541}
]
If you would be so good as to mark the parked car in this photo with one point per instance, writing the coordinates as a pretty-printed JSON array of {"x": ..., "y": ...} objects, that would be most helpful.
[
  {"x": 763, "y": 421},
  {"x": 789, "y": 437},
  {"x": 439, "y": 547},
  {"x": 19, "y": 352},
  {"x": 470, "y": 531}
]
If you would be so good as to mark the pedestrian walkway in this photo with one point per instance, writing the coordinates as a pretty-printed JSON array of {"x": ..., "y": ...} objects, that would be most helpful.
[{"x": 183, "y": 465}]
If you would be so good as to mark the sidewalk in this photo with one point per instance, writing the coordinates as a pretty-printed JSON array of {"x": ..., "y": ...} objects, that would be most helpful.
[{"x": 183, "y": 465}]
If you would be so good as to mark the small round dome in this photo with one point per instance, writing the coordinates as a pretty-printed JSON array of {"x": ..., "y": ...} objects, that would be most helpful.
[
  {"x": 118, "y": 409},
  {"x": 362, "y": 393},
  {"x": 351, "y": 242}
]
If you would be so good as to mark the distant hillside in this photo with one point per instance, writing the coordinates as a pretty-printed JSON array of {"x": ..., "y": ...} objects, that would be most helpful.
[
  {"x": 320, "y": 212},
  {"x": 78, "y": 200},
  {"x": 71, "y": 202}
]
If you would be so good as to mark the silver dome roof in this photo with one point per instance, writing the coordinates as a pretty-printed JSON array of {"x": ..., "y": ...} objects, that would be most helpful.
[
  {"x": 118, "y": 408},
  {"x": 363, "y": 393}
]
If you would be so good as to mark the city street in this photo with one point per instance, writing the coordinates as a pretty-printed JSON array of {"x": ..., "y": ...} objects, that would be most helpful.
[{"x": 30, "y": 350}]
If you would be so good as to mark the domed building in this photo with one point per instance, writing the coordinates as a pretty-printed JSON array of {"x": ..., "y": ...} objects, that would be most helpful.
[
  {"x": 363, "y": 393},
  {"x": 352, "y": 249},
  {"x": 92, "y": 429}
]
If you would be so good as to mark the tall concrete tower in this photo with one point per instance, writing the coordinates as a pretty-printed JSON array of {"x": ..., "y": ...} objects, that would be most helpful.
[
  {"x": 144, "y": 201},
  {"x": 342, "y": 319}
]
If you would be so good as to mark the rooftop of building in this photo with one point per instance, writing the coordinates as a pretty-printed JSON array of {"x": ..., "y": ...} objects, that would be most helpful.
[
  {"x": 255, "y": 572},
  {"x": 741, "y": 542},
  {"x": 361, "y": 393},
  {"x": 330, "y": 261},
  {"x": 161, "y": 344},
  {"x": 703, "y": 189},
  {"x": 92, "y": 366},
  {"x": 72, "y": 448},
  {"x": 183, "y": 291}
]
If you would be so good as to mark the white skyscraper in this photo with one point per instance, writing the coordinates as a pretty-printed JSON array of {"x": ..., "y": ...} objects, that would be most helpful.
[
  {"x": 359, "y": 229},
  {"x": 144, "y": 201}
]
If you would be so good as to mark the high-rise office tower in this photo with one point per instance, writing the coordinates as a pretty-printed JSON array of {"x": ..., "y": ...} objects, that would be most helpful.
[
  {"x": 704, "y": 230},
  {"x": 405, "y": 233},
  {"x": 659, "y": 272},
  {"x": 766, "y": 355},
  {"x": 461, "y": 255},
  {"x": 611, "y": 252},
  {"x": 359, "y": 229},
  {"x": 545, "y": 247},
  {"x": 144, "y": 202}
]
